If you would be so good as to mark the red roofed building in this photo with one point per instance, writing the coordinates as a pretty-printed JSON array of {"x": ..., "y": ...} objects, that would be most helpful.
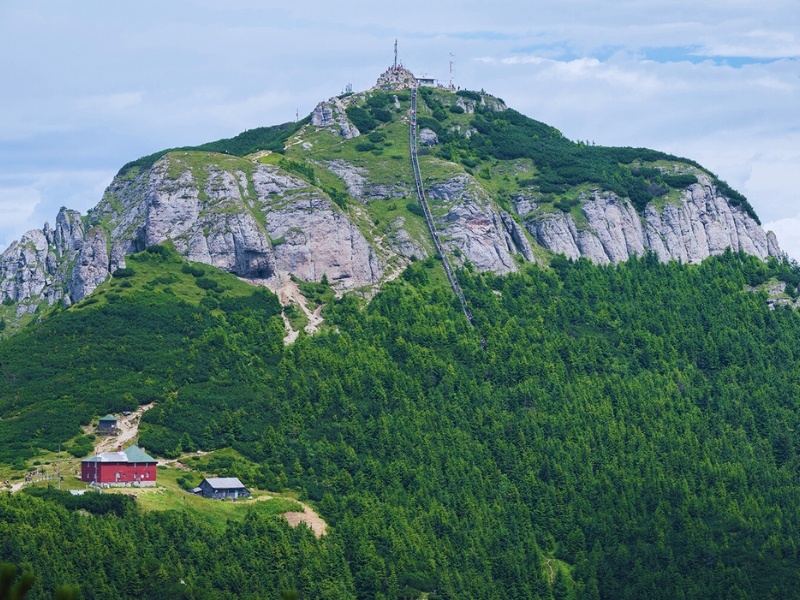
[{"x": 132, "y": 466}]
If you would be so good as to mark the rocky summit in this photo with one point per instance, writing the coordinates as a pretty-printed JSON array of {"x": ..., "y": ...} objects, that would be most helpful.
[{"x": 334, "y": 195}]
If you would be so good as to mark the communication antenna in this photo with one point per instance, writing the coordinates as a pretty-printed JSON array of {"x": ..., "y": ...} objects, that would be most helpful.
[
  {"x": 452, "y": 64},
  {"x": 395, "y": 54}
]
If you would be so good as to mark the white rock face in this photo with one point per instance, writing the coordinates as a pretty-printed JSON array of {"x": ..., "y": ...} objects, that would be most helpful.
[
  {"x": 222, "y": 225},
  {"x": 332, "y": 114},
  {"x": 261, "y": 222},
  {"x": 428, "y": 137},
  {"x": 704, "y": 224},
  {"x": 359, "y": 185},
  {"x": 36, "y": 268},
  {"x": 117, "y": 260},
  {"x": 322, "y": 115},
  {"x": 701, "y": 225},
  {"x": 472, "y": 226},
  {"x": 317, "y": 240},
  {"x": 23, "y": 270},
  {"x": 467, "y": 104},
  {"x": 172, "y": 205},
  {"x": 402, "y": 242},
  {"x": 91, "y": 268}
]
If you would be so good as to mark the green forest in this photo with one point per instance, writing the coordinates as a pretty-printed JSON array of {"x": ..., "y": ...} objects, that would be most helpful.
[{"x": 630, "y": 431}]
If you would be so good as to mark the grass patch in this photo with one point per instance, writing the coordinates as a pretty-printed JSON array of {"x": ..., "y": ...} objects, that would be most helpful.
[{"x": 168, "y": 495}]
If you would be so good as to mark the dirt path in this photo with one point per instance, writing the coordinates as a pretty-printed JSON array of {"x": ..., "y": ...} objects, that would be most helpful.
[
  {"x": 289, "y": 293},
  {"x": 552, "y": 573},
  {"x": 129, "y": 430},
  {"x": 309, "y": 517},
  {"x": 175, "y": 462},
  {"x": 291, "y": 334}
]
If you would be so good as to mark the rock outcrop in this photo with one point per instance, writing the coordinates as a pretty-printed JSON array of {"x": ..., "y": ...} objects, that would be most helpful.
[
  {"x": 44, "y": 264},
  {"x": 471, "y": 228},
  {"x": 261, "y": 222},
  {"x": 254, "y": 225},
  {"x": 361, "y": 186},
  {"x": 428, "y": 137},
  {"x": 701, "y": 224},
  {"x": 332, "y": 115},
  {"x": 91, "y": 268}
]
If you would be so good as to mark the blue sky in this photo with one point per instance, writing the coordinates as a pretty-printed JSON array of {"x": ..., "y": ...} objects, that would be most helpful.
[{"x": 88, "y": 86}]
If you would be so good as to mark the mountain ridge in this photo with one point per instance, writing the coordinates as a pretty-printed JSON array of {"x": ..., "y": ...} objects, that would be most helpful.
[{"x": 332, "y": 195}]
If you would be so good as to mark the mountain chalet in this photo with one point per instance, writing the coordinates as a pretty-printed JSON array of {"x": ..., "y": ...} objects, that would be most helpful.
[{"x": 132, "y": 466}]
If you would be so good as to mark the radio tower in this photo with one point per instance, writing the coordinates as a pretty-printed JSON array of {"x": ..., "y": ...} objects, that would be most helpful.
[
  {"x": 451, "y": 70},
  {"x": 395, "y": 54}
]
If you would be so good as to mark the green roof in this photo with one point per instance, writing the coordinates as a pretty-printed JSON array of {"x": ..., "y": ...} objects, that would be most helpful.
[
  {"x": 131, "y": 454},
  {"x": 137, "y": 455},
  {"x": 108, "y": 418}
]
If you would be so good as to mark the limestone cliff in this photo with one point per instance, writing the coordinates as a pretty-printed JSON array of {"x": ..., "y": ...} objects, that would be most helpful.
[
  {"x": 700, "y": 224},
  {"x": 326, "y": 204},
  {"x": 473, "y": 228}
]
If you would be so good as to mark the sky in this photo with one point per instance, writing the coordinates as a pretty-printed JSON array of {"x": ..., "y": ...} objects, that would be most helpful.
[{"x": 88, "y": 86}]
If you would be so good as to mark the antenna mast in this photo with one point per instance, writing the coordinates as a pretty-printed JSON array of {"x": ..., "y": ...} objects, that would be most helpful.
[
  {"x": 451, "y": 70},
  {"x": 395, "y": 54}
]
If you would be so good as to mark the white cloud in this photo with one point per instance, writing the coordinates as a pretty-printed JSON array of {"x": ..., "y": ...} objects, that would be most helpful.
[
  {"x": 27, "y": 201},
  {"x": 110, "y": 103},
  {"x": 17, "y": 204},
  {"x": 788, "y": 233}
]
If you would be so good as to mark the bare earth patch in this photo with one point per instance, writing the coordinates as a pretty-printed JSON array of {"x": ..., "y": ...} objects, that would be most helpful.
[
  {"x": 309, "y": 517},
  {"x": 129, "y": 430}
]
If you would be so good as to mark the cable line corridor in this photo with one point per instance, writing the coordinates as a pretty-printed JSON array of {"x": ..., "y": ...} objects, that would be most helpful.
[{"x": 451, "y": 277}]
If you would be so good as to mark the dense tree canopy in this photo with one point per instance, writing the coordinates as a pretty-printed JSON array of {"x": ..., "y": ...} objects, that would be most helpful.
[{"x": 633, "y": 427}]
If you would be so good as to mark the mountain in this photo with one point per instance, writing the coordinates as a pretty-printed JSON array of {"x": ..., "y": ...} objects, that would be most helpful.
[
  {"x": 600, "y": 428},
  {"x": 334, "y": 195}
]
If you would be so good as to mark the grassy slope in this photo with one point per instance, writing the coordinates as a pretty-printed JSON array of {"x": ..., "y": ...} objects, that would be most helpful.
[{"x": 132, "y": 341}]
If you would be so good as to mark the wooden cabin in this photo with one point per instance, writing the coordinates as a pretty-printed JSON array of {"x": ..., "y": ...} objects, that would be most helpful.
[
  {"x": 107, "y": 426},
  {"x": 220, "y": 488}
]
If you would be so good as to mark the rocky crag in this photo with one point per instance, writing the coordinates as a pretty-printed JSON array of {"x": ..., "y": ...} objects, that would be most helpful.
[
  {"x": 609, "y": 230},
  {"x": 340, "y": 203}
]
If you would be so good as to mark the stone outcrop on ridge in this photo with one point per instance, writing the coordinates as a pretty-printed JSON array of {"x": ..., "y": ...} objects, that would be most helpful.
[{"x": 702, "y": 224}]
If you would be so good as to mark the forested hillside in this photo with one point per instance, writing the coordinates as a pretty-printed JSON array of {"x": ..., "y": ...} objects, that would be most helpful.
[{"x": 630, "y": 431}]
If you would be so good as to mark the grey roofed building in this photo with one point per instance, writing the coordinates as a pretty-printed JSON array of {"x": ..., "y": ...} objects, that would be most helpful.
[{"x": 223, "y": 487}]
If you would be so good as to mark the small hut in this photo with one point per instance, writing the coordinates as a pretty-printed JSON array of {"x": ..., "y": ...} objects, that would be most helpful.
[
  {"x": 220, "y": 488},
  {"x": 107, "y": 426}
]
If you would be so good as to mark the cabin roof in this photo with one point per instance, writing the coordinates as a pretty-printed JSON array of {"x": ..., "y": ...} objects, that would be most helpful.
[
  {"x": 131, "y": 454},
  {"x": 224, "y": 483}
]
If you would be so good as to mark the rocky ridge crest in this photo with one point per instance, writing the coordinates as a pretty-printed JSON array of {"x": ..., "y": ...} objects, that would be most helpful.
[{"x": 264, "y": 221}]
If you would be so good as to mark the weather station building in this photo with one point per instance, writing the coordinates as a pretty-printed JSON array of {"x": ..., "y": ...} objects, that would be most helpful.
[
  {"x": 129, "y": 467},
  {"x": 426, "y": 81}
]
